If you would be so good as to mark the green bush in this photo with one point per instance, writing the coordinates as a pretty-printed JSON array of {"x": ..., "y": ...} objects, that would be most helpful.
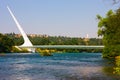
[{"x": 109, "y": 28}]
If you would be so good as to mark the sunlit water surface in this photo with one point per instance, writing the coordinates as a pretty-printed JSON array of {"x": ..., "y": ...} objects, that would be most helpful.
[{"x": 62, "y": 66}]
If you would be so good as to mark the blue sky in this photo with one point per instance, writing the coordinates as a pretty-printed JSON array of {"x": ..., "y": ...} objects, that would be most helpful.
[{"x": 73, "y": 18}]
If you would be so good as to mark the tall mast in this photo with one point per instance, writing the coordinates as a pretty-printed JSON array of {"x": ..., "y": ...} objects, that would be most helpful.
[{"x": 27, "y": 42}]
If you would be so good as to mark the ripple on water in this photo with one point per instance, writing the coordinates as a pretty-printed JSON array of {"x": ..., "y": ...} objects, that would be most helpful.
[{"x": 70, "y": 66}]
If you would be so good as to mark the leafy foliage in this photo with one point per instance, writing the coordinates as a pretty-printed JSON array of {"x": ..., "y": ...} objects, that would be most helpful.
[
  {"x": 117, "y": 67},
  {"x": 109, "y": 28},
  {"x": 5, "y": 44}
]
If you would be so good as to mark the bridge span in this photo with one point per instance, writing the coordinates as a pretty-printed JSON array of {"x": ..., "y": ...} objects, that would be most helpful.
[{"x": 63, "y": 47}]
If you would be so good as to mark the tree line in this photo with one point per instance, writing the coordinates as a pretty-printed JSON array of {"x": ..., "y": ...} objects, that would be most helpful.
[
  {"x": 55, "y": 40},
  {"x": 12, "y": 40}
]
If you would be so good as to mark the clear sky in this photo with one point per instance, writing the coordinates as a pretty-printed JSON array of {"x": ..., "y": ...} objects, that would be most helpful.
[{"x": 73, "y": 18}]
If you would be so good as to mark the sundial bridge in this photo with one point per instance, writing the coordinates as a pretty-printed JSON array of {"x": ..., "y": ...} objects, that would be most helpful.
[{"x": 27, "y": 43}]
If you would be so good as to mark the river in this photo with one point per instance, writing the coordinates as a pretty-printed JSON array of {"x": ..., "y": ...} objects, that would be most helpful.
[{"x": 60, "y": 66}]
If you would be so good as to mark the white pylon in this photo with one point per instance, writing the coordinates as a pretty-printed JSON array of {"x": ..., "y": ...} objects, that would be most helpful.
[{"x": 27, "y": 42}]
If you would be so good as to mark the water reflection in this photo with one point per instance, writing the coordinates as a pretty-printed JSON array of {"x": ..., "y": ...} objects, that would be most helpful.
[{"x": 113, "y": 69}]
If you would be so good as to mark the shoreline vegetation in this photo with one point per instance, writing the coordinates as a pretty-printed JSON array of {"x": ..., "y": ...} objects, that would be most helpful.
[
  {"x": 109, "y": 29},
  {"x": 50, "y": 40},
  {"x": 16, "y": 39}
]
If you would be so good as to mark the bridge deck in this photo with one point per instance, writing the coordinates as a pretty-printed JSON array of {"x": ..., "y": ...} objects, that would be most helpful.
[{"x": 64, "y": 47}]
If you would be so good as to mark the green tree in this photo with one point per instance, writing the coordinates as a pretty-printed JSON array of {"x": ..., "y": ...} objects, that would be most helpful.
[
  {"x": 109, "y": 28},
  {"x": 5, "y": 44}
]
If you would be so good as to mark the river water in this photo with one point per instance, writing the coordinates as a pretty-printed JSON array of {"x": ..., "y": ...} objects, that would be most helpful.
[{"x": 62, "y": 66}]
